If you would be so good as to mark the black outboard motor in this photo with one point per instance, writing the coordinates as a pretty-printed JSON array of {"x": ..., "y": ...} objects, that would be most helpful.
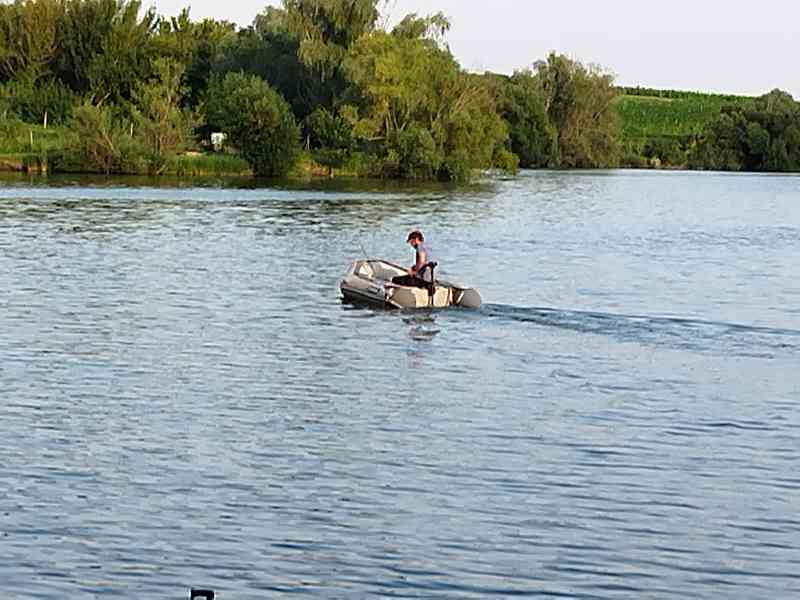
[
  {"x": 201, "y": 594},
  {"x": 430, "y": 285}
]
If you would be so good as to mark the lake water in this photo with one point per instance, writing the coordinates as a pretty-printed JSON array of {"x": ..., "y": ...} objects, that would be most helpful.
[{"x": 187, "y": 402}]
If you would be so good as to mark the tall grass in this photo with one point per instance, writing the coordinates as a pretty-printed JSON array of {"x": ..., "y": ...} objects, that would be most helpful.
[
  {"x": 192, "y": 165},
  {"x": 17, "y": 137}
]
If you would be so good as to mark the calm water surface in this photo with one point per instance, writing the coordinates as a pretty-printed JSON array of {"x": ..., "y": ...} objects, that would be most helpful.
[{"x": 187, "y": 402}]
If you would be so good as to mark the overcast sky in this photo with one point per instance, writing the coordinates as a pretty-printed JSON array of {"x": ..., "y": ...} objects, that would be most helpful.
[{"x": 731, "y": 46}]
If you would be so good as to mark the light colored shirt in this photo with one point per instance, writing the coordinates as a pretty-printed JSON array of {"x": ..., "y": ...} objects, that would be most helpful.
[{"x": 426, "y": 274}]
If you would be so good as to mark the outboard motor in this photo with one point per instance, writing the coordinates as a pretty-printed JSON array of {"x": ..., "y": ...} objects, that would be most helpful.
[
  {"x": 431, "y": 285},
  {"x": 201, "y": 594}
]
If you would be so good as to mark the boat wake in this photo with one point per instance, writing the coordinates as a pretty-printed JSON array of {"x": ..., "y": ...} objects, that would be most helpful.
[{"x": 696, "y": 335}]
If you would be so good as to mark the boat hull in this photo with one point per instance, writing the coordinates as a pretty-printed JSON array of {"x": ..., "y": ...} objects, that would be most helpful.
[{"x": 370, "y": 282}]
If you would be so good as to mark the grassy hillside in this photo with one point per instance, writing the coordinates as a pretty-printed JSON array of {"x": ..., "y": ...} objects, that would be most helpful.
[
  {"x": 658, "y": 126},
  {"x": 648, "y": 114}
]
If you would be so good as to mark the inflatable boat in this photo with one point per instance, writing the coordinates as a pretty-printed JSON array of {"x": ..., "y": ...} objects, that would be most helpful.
[{"x": 370, "y": 282}]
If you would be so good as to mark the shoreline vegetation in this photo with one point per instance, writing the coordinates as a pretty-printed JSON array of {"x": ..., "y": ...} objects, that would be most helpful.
[{"x": 320, "y": 88}]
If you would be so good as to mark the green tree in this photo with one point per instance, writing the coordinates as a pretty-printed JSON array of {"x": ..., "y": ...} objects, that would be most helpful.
[
  {"x": 328, "y": 28},
  {"x": 126, "y": 54},
  {"x": 175, "y": 38},
  {"x": 760, "y": 136},
  {"x": 533, "y": 139},
  {"x": 324, "y": 31},
  {"x": 268, "y": 49},
  {"x": 195, "y": 45},
  {"x": 425, "y": 116},
  {"x": 719, "y": 147},
  {"x": 159, "y": 120},
  {"x": 433, "y": 27},
  {"x": 579, "y": 105},
  {"x": 257, "y": 121},
  {"x": 665, "y": 150},
  {"x": 83, "y": 28},
  {"x": 28, "y": 38},
  {"x": 105, "y": 47}
]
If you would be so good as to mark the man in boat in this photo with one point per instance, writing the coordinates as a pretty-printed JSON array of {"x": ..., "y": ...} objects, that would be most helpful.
[{"x": 421, "y": 273}]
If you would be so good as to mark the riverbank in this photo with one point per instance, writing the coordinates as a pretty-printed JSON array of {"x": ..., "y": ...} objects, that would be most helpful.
[
  {"x": 657, "y": 130},
  {"x": 188, "y": 164}
]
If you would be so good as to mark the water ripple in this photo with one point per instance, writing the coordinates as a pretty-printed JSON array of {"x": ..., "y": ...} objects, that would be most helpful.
[{"x": 187, "y": 402}]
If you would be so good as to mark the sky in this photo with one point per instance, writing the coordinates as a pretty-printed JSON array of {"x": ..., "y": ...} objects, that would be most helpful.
[{"x": 726, "y": 46}]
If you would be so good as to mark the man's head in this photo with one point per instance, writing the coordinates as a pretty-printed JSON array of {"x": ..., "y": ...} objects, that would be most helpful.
[{"x": 415, "y": 238}]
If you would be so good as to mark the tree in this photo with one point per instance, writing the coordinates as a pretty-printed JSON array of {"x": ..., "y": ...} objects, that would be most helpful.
[
  {"x": 195, "y": 45},
  {"x": 426, "y": 116},
  {"x": 521, "y": 103},
  {"x": 760, "y": 136},
  {"x": 159, "y": 120},
  {"x": 126, "y": 54},
  {"x": 664, "y": 150},
  {"x": 28, "y": 38},
  {"x": 328, "y": 28},
  {"x": 324, "y": 31},
  {"x": 269, "y": 50},
  {"x": 579, "y": 104},
  {"x": 257, "y": 120},
  {"x": 104, "y": 48},
  {"x": 433, "y": 27}
]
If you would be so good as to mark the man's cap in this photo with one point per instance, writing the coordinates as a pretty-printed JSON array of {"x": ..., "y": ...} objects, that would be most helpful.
[{"x": 415, "y": 235}]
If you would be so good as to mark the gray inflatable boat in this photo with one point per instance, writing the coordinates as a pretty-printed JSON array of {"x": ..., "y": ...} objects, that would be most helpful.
[{"x": 370, "y": 282}]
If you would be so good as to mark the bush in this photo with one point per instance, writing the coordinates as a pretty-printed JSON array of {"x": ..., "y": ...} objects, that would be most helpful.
[
  {"x": 257, "y": 121},
  {"x": 330, "y": 137},
  {"x": 668, "y": 151},
  {"x": 412, "y": 154},
  {"x": 325, "y": 130},
  {"x": 632, "y": 160},
  {"x": 101, "y": 143},
  {"x": 506, "y": 161}
]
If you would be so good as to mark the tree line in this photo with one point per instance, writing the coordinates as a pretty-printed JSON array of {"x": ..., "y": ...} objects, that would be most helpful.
[{"x": 323, "y": 79}]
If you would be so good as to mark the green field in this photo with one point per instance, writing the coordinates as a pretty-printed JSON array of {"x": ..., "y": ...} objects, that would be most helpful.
[{"x": 648, "y": 114}]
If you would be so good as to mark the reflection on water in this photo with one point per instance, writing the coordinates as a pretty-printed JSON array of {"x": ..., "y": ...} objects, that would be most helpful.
[
  {"x": 421, "y": 327},
  {"x": 187, "y": 401}
]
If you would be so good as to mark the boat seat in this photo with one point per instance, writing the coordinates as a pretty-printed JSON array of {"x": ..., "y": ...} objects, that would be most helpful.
[
  {"x": 366, "y": 270},
  {"x": 380, "y": 272}
]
